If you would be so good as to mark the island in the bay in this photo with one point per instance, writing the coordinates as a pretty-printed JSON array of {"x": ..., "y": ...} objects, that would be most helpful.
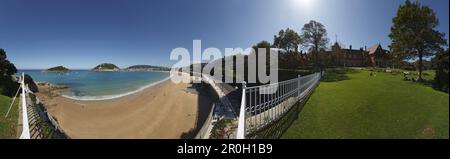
[
  {"x": 133, "y": 68},
  {"x": 146, "y": 68},
  {"x": 58, "y": 69},
  {"x": 106, "y": 67}
]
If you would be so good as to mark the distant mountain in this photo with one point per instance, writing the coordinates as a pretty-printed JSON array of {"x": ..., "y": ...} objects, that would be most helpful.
[
  {"x": 147, "y": 68},
  {"x": 58, "y": 69},
  {"x": 106, "y": 67}
]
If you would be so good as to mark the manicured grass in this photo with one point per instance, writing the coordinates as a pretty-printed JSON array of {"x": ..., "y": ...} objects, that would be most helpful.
[
  {"x": 8, "y": 126},
  {"x": 358, "y": 105},
  {"x": 426, "y": 74}
]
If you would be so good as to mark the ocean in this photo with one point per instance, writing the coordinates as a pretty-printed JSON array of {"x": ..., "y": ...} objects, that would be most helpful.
[{"x": 90, "y": 85}]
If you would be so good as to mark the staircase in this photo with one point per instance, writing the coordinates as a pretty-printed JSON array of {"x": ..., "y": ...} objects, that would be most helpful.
[{"x": 39, "y": 129}]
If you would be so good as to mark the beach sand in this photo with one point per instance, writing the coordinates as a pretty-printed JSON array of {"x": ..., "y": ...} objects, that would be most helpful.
[{"x": 166, "y": 110}]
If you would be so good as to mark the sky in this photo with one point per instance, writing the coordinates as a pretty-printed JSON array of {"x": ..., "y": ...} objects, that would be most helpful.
[{"x": 80, "y": 34}]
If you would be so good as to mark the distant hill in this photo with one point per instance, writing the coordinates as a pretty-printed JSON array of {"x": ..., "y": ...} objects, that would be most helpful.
[
  {"x": 58, "y": 69},
  {"x": 106, "y": 67},
  {"x": 147, "y": 68}
]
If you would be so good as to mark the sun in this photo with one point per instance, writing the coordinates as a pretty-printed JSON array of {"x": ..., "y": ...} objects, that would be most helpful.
[
  {"x": 303, "y": 3},
  {"x": 303, "y": 7}
]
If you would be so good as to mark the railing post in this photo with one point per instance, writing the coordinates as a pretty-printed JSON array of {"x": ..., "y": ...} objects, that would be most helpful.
[
  {"x": 321, "y": 76},
  {"x": 241, "y": 125},
  {"x": 298, "y": 88}
]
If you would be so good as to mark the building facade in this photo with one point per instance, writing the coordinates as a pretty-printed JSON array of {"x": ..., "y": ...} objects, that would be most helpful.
[{"x": 375, "y": 56}]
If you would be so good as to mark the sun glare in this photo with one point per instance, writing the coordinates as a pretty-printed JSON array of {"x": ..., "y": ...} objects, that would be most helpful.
[{"x": 302, "y": 3}]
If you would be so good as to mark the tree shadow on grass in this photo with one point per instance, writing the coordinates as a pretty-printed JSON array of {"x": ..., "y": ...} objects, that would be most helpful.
[
  {"x": 427, "y": 81},
  {"x": 337, "y": 74},
  {"x": 430, "y": 83},
  {"x": 276, "y": 129}
]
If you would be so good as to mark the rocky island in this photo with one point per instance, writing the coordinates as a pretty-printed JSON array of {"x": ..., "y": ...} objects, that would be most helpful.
[
  {"x": 58, "y": 69},
  {"x": 146, "y": 68},
  {"x": 106, "y": 67}
]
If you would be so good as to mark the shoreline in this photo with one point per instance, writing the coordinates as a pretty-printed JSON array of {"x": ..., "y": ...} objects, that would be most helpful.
[
  {"x": 165, "y": 110},
  {"x": 45, "y": 70},
  {"x": 109, "y": 97},
  {"x": 112, "y": 96}
]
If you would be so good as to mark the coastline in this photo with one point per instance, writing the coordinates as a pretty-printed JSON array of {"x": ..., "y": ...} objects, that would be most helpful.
[
  {"x": 123, "y": 93},
  {"x": 163, "y": 110},
  {"x": 109, "y": 97}
]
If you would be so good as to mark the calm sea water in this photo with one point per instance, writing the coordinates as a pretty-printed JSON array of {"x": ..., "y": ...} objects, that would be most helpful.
[{"x": 89, "y": 85}]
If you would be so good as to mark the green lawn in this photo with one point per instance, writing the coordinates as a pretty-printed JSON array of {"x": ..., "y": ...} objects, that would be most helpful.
[
  {"x": 357, "y": 105},
  {"x": 8, "y": 125},
  {"x": 426, "y": 74}
]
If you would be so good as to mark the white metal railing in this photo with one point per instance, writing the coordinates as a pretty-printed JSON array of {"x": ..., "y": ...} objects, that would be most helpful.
[
  {"x": 25, "y": 126},
  {"x": 262, "y": 105}
]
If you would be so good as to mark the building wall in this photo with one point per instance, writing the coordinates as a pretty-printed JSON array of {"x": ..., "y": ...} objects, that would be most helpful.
[
  {"x": 379, "y": 59},
  {"x": 350, "y": 57}
]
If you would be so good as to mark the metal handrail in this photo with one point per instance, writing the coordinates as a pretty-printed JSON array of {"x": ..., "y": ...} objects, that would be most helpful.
[
  {"x": 267, "y": 108},
  {"x": 25, "y": 125}
]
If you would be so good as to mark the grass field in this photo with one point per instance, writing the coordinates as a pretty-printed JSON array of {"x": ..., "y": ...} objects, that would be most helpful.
[
  {"x": 8, "y": 125},
  {"x": 353, "y": 104}
]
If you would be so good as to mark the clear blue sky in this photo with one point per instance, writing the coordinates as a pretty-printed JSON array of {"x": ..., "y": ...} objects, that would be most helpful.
[{"x": 83, "y": 33}]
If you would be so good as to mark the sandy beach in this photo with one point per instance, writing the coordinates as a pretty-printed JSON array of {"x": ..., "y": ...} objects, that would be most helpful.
[{"x": 166, "y": 110}]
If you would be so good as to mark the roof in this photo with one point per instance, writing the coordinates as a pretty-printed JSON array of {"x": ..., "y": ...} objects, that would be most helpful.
[
  {"x": 353, "y": 51},
  {"x": 373, "y": 49}
]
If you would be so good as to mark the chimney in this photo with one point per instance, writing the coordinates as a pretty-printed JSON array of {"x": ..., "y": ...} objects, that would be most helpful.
[{"x": 365, "y": 48}]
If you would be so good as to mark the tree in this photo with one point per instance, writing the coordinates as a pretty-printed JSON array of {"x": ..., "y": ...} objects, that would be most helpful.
[
  {"x": 438, "y": 57},
  {"x": 396, "y": 57},
  {"x": 314, "y": 36},
  {"x": 262, "y": 45},
  {"x": 6, "y": 67},
  {"x": 288, "y": 40},
  {"x": 441, "y": 63},
  {"x": 10, "y": 68},
  {"x": 413, "y": 33},
  {"x": 7, "y": 85}
]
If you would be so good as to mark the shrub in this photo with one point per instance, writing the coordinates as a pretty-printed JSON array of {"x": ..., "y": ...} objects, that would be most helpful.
[
  {"x": 31, "y": 85},
  {"x": 223, "y": 129},
  {"x": 441, "y": 79},
  {"x": 8, "y": 87}
]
